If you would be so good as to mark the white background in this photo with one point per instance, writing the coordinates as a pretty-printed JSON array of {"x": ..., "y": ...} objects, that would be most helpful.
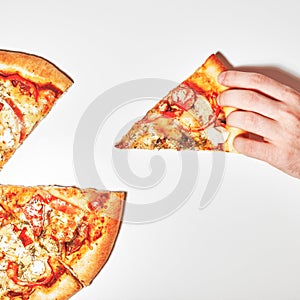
[{"x": 246, "y": 243}]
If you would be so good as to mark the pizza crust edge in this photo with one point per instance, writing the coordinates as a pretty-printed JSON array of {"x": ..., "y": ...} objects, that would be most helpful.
[
  {"x": 92, "y": 261},
  {"x": 35, "y": 68}
]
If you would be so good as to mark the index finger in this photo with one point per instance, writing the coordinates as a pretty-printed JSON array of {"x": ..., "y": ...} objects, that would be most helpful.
[{"x": 257, "y": 82}]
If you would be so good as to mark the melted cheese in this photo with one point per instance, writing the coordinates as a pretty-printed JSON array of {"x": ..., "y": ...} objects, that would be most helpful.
[
  {"x": 217, "y": 135},
  {"x": 10, "y": 243},
  {"x": 32, "y": 259},
  {"x": 202, "y": 110},
  {"x": 9, "y": 127}
]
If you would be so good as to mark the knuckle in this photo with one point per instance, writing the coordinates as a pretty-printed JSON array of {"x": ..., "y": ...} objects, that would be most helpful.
[{"x": 288, "y": 117}]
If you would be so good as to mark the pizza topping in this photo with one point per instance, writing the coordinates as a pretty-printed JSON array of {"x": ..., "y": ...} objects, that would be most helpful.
[
  {"x": 63, "y": 206},
  {"x": 170, "y": 110},
  {"x": 19, "y": 115},
  {"x": 24, "y": 261},
  {"x": 61, "y": 227},
  {"x": 209, "y": 94},
  {"x": 4, "y": 215},
  {"x": 28, "y": 88},
  {"x": 56, "y": 273},
  {"x": 34, "y": 213},
  {"x": 23, "y": 294},
  {"x": 203, "y": 112},
  {"x": 81, "y": 234},
  {"x": 26, "y": 240},
  {"x": 217, "y": 135},
  {"x": 25, "y": 86},
  {"x": 10, "y": 127},
  {"x": 98, "y": 201},
  {"x": 10, "y": 242},
  {"x": 7, "y": 138},
  {"x": 48, "y": 95},
  {"x": 183, "y": 95},
  {"x": 51, "y": 243},
  {"x": 50, "y": 91},
  {"x": 36, "y": 270},
  {"x": 96, "y": 227}
]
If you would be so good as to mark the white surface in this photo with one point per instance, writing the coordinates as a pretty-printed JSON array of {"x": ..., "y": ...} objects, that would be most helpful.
[{"x": 246, "y": 243}]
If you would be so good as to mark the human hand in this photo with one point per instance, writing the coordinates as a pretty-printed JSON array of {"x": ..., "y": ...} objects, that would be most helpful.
[{"x": 270, "y": 112}]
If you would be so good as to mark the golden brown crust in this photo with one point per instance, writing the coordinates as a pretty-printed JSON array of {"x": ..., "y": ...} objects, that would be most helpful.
[
  {"x": 90, "y": 264},
  {"x": 94, "y": 256},
  {"x": 34, "y": 68},
  {"x": 207, "y": 75}
]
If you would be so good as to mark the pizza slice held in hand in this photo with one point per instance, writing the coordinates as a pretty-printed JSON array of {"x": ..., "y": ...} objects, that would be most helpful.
[
  {"x": 188, "y": 117},
  {"x": 54, "y": 240},
  {"x": 29, "y": 87}
]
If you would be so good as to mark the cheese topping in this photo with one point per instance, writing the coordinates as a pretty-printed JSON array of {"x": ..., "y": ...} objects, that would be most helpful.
[
  {"x": 9, "y": 126},
  {"x": 217, "y": 135},
  {"x": 31, "y": 260}
]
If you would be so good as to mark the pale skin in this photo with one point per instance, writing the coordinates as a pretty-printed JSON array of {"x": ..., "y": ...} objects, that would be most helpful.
[{"x": 270, "y": 112}]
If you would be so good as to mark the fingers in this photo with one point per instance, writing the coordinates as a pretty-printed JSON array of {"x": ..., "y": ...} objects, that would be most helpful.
[
  {"x": 267, "y": 110},
  {"x": 258, "y": 82},
  {"x": 258, "y": 110},
  {"x": 257, "y": 149},
  {"x": 251, "y": 101},
  {"x": 255, "y": 123},
  {"x": 281, "y": 157}
]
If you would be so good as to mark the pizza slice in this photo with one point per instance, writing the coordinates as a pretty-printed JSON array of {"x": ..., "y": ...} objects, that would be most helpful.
[
  {"x": 29, "y": 87},
  {"x": 188, "y": 117},
  {"x": 60, "y": 238}
]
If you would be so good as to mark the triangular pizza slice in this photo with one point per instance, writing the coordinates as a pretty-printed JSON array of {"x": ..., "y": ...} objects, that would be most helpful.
[
  {"x": 188, "y": 117},
  {"x": 29, "y": 87},
  {"x": 54, "y": 240}
]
